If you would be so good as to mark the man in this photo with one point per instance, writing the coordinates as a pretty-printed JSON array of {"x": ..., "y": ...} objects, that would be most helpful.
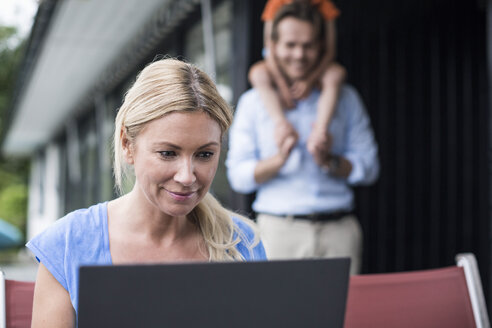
[{"x": 304, "y": 200}]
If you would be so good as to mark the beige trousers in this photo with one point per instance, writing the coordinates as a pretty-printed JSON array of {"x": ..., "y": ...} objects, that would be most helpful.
[{"x": 288, "y": 238}]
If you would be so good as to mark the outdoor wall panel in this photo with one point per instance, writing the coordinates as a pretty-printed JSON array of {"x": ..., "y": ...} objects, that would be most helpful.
[{"x": 421, "y": 70}]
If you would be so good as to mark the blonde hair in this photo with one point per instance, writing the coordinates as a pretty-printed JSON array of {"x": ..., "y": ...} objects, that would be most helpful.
[{"x": 167, "y": 86}]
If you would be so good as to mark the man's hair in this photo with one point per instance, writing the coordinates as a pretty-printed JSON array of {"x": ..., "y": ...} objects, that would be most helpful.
[{"x": 302, "y": 10}]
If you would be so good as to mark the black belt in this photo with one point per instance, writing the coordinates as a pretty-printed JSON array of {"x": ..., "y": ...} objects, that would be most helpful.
[{"x": 319, "y": 217}]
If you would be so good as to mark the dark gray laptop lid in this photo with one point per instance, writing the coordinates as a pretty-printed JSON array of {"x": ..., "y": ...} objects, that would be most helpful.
[{"x": 297, "y": 293}]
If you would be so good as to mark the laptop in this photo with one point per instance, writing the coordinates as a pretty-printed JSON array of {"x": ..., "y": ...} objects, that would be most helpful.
[{"x": 290, "y": 293}]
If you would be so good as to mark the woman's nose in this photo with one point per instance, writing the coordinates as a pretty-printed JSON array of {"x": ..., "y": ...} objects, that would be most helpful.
[{"x": 185, "y": 174}]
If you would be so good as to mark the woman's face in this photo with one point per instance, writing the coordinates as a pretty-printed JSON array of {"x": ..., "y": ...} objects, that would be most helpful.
[{"x": 175, "y": 159}]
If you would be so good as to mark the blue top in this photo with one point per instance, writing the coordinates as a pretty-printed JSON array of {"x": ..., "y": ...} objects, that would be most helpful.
[
  {"x": 301, "y": 186},
  {"x": 81, "y": 238}
]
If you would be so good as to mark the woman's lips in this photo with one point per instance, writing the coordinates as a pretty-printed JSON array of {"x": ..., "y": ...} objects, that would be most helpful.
[{"x": 181, "y": 196}]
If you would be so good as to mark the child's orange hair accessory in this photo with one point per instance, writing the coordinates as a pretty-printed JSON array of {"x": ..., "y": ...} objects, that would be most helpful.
[{"x": 326, "y": 8}]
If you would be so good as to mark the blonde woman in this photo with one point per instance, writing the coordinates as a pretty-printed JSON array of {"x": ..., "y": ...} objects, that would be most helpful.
[{"x": 167, "y": 138}]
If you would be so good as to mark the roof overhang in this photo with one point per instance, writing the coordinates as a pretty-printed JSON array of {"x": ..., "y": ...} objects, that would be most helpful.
[{"x": 84, "y": 43}]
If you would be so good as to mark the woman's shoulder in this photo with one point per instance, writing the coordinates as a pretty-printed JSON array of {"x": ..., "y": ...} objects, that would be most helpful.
[
  {"x": 69, "y": 241},
  {"x": 81, "y": 220},
  {"x": 72, "y": 227}
]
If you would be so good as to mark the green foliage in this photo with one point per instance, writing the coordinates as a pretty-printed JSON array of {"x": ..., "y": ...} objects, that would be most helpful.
[
  {"x": 10, "y": 58},
  {"x": 6, "y": 32},
  {"x": 13, "y": 172},
  {"x": 13, "y": 201}
]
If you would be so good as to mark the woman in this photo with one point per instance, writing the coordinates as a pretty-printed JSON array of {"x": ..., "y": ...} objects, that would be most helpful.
[{"x": 167, "y": 138}]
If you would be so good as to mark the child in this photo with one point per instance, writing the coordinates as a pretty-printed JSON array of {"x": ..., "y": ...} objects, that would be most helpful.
[{"x": 265, "y": 74}]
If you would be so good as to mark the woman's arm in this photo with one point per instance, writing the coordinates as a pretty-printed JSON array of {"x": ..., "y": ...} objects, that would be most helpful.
[{"x": 51, "y": 306}]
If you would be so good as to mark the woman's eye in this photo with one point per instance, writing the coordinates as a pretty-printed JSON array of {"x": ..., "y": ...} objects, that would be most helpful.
[
  {"x": 205, "y": 155},
  {"x": 167, "y": 153}
]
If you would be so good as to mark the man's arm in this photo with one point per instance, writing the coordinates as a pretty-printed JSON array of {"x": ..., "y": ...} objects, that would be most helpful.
[
  {"x": 245, "y": 169},
  {"x": 361, "y": 149},
  {"x": 243, "y": 152},
  {"x": 358, "y": 161},
  {"x": 333, "y": 164},
  {"x": 268, "y": 168}
]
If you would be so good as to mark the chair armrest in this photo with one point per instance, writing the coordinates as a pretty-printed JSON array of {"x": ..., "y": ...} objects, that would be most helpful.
[{"x": 472, "y": 275}]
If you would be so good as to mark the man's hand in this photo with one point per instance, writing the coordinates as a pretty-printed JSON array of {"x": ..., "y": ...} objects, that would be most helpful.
[
  {"x": 334, "y": 164},
  {"x": 268, "y": 168}
]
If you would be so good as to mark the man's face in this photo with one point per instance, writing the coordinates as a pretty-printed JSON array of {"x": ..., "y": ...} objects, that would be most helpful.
[{"x": 296, "y": 49}]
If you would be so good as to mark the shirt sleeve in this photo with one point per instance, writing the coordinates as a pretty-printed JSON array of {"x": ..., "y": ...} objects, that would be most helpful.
[
  {"x": 49, "y": 247},
  {"x": 362, "y": 150},
  {"x": 242, "y": 156}
]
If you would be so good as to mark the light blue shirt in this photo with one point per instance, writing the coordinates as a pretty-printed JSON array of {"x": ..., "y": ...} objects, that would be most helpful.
[
  {"x": 82, "y": 238},
  {"x": 301, "y": 186}
]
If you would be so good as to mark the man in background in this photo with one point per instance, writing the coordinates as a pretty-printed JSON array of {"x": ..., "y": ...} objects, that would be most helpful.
[{"x": 304, "y": 201}]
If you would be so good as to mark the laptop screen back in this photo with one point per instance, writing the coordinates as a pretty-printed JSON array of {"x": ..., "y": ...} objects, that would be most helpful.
[{"x": 297, "y": 293}]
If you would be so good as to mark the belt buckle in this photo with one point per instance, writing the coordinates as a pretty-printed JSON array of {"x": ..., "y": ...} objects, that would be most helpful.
[
  {"x": 315, "y": 217},
  {"x": 290, "y": 217}
]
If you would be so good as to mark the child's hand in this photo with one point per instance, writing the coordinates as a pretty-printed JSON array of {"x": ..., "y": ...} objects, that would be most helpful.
[
  {"x": 300, "y": 89},
  {"x": 319, "y": 144},
  {"x": 286, "y": 147},
  {"x": 284, "y": 130}
]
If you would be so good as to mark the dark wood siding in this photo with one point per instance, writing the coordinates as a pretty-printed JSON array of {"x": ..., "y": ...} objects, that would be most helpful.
[{"x": 421, "y": 67}]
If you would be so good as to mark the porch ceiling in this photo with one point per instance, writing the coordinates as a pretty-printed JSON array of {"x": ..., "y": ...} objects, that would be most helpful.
[{"x": 83, "y": 39}]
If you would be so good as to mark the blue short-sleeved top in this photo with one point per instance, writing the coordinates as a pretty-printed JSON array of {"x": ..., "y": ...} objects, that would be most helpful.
[{"x": 81, "y": 238}]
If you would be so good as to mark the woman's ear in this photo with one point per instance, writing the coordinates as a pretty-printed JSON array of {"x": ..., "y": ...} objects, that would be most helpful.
[{"x": 126, "y": 146}]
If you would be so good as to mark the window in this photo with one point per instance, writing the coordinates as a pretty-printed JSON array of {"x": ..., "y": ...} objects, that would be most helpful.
[{"x": 194, "y": 51}]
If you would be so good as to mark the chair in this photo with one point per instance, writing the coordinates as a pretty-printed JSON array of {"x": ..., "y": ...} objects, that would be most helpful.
[
  {"x": 446, "y": 297},
  {"x": 16, "y": 303}
]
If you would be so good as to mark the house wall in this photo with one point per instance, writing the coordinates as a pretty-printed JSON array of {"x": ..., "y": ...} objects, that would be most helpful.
[
  {"x": 421, "y": 67},
  {"x": 44, "y": 190}
]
